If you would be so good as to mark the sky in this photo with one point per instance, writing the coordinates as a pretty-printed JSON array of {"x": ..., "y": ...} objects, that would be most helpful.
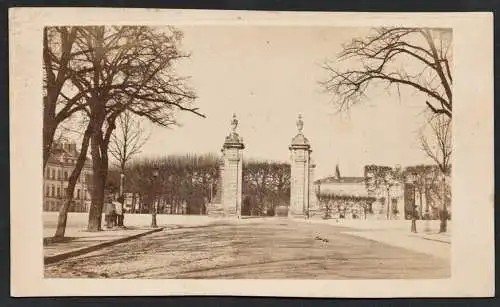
[{"x": 269, "y": 75}]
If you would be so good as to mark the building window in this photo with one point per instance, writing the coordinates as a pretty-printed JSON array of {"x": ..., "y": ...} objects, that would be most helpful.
[
  {"x": 47, "y": 173},
  {"x": 58, "y": 192},
  {"x": 53, "y": 191},
  {"x": 78, "y": 194},
  {"x": 47, "y": 191},
  {"x": 53, "y": 171},
  {"x": 59, "y": 174},
  {"x": 85, "y": 194},
  {"x": 65, "y": 175}
]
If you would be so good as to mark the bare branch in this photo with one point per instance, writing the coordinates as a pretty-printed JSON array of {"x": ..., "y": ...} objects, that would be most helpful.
[{"x": 385, "y": 57}]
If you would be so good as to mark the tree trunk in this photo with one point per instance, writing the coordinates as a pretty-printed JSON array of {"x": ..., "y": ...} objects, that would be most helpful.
[
  {"x": 444, "y": 220},
  {"x": 421, "y": 203},
  {"x": 49, "y": 131},
  {"x": 98, "y": 182},
  {"x": 388, "y": 206},
  {"x": 95, "y": 211},
  {"x": 443, "y": 213},
  {"x": 75, "y": 174}
]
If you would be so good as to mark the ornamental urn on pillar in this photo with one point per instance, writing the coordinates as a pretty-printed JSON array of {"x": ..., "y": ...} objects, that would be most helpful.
[
  {"x": 232, "y": 152},
  {"x": 300, "y": 187}
]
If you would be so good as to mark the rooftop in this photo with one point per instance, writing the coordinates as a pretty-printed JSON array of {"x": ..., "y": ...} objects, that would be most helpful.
[
  {"x": 66, "y": 155},
  {"x": 340, "y": 180}
]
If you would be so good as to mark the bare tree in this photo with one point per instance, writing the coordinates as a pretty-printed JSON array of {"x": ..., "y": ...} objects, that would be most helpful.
[
  {"x": 436, "y": 144},
  {"x": 436, "y": 141},
  {"x": 72, "y": 180},
  {"x": 60, "y": 100},
  {"x": 131, "y": 69},
  {"x": 128, "y": 139},
  {"x": 417, "y": 58}
]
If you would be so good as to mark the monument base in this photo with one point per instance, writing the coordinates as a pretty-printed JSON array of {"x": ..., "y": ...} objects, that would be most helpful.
[
  {"x": 215, "y": 210},
  {"x": 297, "y": 215}
]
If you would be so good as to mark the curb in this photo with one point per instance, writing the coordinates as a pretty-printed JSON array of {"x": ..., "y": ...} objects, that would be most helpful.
[
  {"x": 88, "y": 249},
  {"x": 430, "y": 239},
  {"x": 436, "y": 240}
]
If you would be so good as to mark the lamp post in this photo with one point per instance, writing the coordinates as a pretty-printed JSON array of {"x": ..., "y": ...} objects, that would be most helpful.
[
  {"x": 122, "y": 177},
  {"x": 153, "y": 204},
  {"x": 388, "y": 184},
  {"x": 427, "y": 227},
  {"x": 411, "y": 180}
]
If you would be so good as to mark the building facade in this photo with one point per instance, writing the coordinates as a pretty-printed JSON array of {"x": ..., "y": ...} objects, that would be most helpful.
[
  {"x": 61, "y": 163},
  {"x": 353, "y": 195}
]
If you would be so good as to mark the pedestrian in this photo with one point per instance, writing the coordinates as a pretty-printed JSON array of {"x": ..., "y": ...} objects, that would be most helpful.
[
  {"x": 119, "y": 211},
  {"x": 109, "y": 212}
]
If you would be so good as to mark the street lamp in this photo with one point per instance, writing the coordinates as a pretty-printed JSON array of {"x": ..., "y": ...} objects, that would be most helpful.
[
  {"x": 428, "y": 177},
  {"x": 122, "y": 177},
  {"x": 154, "y": 205},
  {"x": 388, "y": 184},
  {"x": 411, "y": 180}
]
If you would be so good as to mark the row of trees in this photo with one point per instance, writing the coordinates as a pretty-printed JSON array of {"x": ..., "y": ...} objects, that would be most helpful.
[
  {"x": 97, "y": 73},
  {"x": 428, "y": 180},
  {"x": 195, "y": 181},
  {"x": 266, "y": 185},
  {"x": 190, "y": 179}
]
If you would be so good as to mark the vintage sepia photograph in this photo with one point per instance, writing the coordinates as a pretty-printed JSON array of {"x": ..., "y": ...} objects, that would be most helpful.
[
  {"x": 159, "y": 152},
  {"x": 249, "y": 152}
]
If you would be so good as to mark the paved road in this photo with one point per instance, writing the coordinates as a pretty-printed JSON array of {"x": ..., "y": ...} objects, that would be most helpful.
[{"x": 256, "y": 249}]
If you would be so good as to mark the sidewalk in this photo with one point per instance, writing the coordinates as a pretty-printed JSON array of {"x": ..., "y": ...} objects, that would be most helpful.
[
  {"x": 78, "y": 242},
  {"x": 413, "y": 242},
  {"x": 397, "y": 233}
]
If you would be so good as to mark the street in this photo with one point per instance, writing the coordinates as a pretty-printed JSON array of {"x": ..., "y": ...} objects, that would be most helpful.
[{"x": 260, "y": 248}]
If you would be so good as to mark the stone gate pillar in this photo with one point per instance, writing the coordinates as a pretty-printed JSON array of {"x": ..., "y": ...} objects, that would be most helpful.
[
  {"x": 231, "y": 173},
  {"x": 302, "y": 172}
]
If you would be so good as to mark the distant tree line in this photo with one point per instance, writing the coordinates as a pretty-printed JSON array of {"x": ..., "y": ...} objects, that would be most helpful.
[
  {"x": 194, "y": 180},
  {"x": 429, "y": 183},
  {"x": 266, "y": 185}
]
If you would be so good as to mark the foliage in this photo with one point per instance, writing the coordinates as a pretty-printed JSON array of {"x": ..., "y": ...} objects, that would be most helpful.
[
  {"x": 267, "y": 183},
  {"x": 345, "y": 198},
  {"x": 381, "y": 177},
  {"x": 181, "y": 179},
  {"x": 194, "y": 179}
]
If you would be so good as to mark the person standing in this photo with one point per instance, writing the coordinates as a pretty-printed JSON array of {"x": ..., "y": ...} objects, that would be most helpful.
[{"x": 119, "y": 211}]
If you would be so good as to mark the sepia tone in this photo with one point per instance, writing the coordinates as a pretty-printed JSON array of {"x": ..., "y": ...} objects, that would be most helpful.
[
  {"x": 339, "y": 169},
  {"x": 127, "y": 73}
]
